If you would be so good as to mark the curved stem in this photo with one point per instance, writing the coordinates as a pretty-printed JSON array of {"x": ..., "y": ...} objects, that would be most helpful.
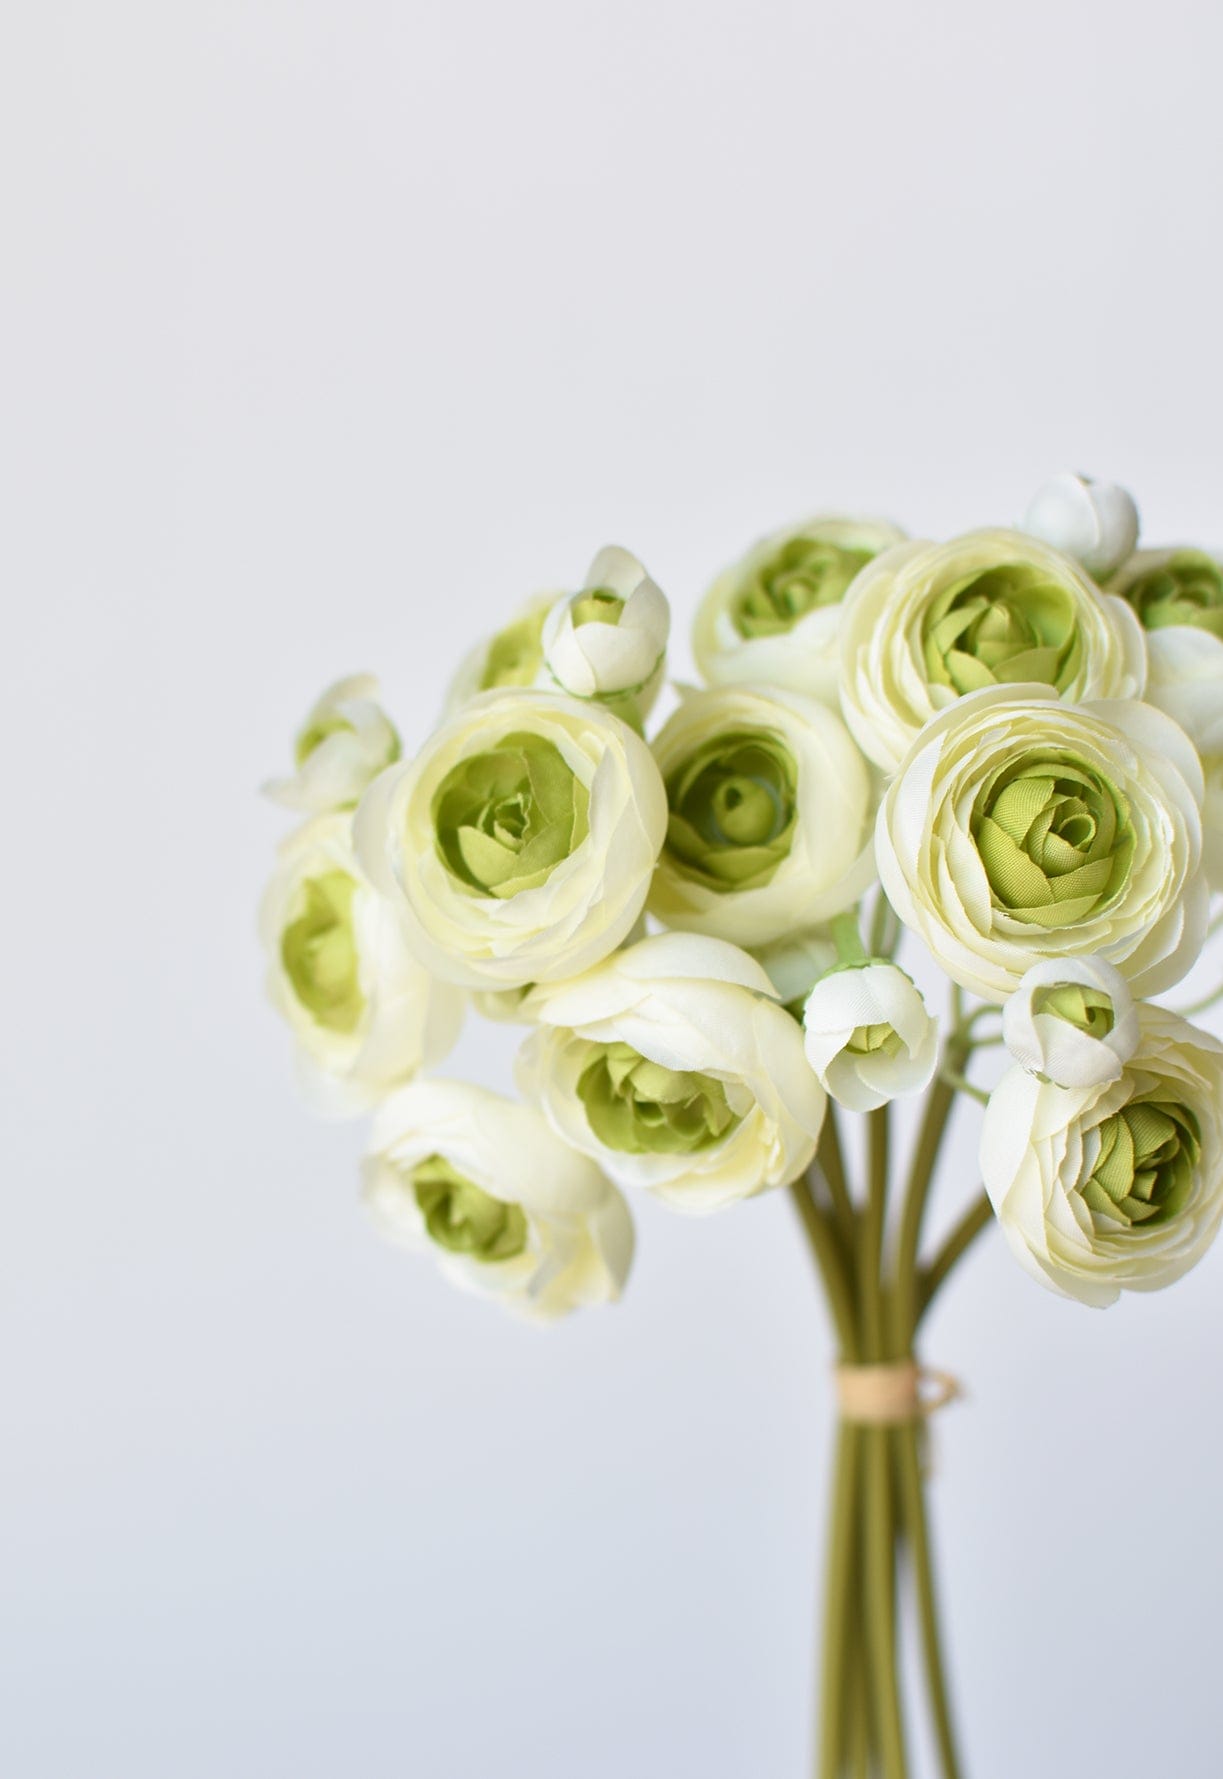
[
  {"x": 978, "y": 1216},
  {"x": 939, "y": 1102},
  {"x": 830, "y": 1160},
  {"x": 828, "y": 1258},
  {"x": 913, "y": 1510}
]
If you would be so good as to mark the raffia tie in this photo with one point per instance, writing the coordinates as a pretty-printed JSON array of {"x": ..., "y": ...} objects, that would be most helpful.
[{"x": 891, "y": 1395}]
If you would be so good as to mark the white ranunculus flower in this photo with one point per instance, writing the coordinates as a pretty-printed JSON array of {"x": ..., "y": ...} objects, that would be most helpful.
[
  {"x": 1117, "y": 1187},
  {"x": 506, "y": 1208},
  {"x": 346, "y": 741},
  {"x": 927, "y": 623},
  {"x": 366, "y": 1015},
  {"x": 869, "y": 1036},
  {"x": 1021, "y": 827},
  {"x": 1095, "y": 522},
  {"x": 609, "y": 641},
  {"x": 770, "y": 807},
  {"x": 512, "y": 659},
  {"x": 1187, "y": 681},
  {"x": 671, "y": 1066},
  {"x": 520, "y": 842},
  {"x": 1072, "y": 1021},
  {"x": 773, "y": 618}
]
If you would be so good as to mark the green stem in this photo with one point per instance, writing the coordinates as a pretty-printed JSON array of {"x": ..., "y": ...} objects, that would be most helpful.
[
  {"x": 939, "y": 1101},
  {"x": 870, "y": 1237},
  {"x": 880, "y": 1602},
  {"x": 917, "y": 1534},
  {"x": 830, "y": 1160},
  {"x": 828, "y": 1258},
  {"x": 978, "y": 1216},
  {"x": 837, "y": 1654}
]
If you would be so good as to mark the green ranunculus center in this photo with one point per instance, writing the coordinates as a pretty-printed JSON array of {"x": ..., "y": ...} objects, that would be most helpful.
[
  {"x": 1055, "y": 838},
  {"x": 314, "y": 734},
  {"x": 732, "y": 806},
  {"x": 1089, "y": 1010},
  {"x": 875, "y": 1040},
  {"x": 1141, "y": 1164},
  {"x": 319, "y": 952},
  {"x": 1007, "y": 625},
  {"x": 1186, "y": 588},
  {"x": 515, "y": 653},
  {"x": 804, "y": 574},
  {"x": 641, "y": 1108},
  {"x": 505, "y": 819},
  {"x": 597, "y": 606},
  {"x": 462, "y": 1217}
]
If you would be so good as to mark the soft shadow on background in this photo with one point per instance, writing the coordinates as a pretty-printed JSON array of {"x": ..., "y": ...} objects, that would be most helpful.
[{"x": 332, "y": 332}]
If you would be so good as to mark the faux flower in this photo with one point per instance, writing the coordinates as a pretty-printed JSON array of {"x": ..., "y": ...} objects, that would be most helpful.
[
  {"x": 346, "y": 741},
  {"x": 1095, "y": 522},
  {"x": 1021, "y": 828},
  {"x": 868, "y": 1035},
  {"x": 507, "y": 1210},
  {"x": 513, "y": 658},
  {"x": 520, "y": 842},
  {"x": 1072, "y": 1021},
  {"x": 927, "y": 623},
  {"x": 770, "y": 805},
  {"x": 1117, "y": 1187},
  {"x": 1165, "y": 587},
  {"x": 773, "y": 618},
  {"x": 1186, "y": 681},
  {"x": 671, "y": 1066},
  {"x": 366, "y": 1015},
  {"x": 610, "y": 640},
  {"x": 795, "y": 963}
]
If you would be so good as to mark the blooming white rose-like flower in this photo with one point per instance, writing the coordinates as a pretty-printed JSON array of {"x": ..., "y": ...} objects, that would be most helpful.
[
  {"x": 365, "y": 1013},
  {"x": 770, "y": 805},
  {"x": 1116, "y": 1187},
  {"x": 511, "y": 659},
  {"x": 609, "y": 641},
  {"x": 773, "y": 618},
  {"x": 344, "y": 743},
  {"x": 671, "y": 1066},
  {"x": 1021, "y": 827},
  {"x": 1095, "y": 522},
  {"x": 927, "y": 623},
  {"x": 507, "y": 1209},
  {"x": 1072, "y": 1021},
  {"x": 520, "y": 842},
  {"x": 1186, "y": 681},
  {"x": 869, "y": 1036}
]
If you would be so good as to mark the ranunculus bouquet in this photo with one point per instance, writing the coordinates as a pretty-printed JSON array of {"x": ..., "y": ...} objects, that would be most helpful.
[{"x": 1008, "y": 747}]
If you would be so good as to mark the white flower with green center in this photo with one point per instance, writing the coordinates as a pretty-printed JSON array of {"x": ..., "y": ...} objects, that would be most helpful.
[
  {"x": 1181, "y": 587},
  {"x": 1187, "y": 682},
  {"x": 609, "y": 641},
  {"x": 366, "y": 1014},
  {"x": 510, "y": 660},
  {"x": 344, "y": 743},
  {"x": 927, "y": 623},
  {"x": 773, "y": 618},
  {"x": 506, "y": 1209},
  {"x": 672, "y": 1066},
  {"x": 1022, "y": 828},
  {"x": 521, "y": 841},
  {"x": 869, "y": 1036},
  {"x": 1072, "y": 1021},
  {"x": 1095, "y": 522},
  {"x": 1116, "y": 1187},
  {"x": 770, "y": 806}
]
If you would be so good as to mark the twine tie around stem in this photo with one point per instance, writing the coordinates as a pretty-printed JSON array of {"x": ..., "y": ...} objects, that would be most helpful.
[{"x": 891, "y": 1395}]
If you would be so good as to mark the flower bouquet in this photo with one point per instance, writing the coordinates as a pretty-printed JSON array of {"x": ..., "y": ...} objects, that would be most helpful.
[{"x": 1007, "y": 747}]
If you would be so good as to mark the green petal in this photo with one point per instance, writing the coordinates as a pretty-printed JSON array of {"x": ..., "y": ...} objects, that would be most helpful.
[
  {"x": 464, "y": 1219},
  {"x": 319, "y": 952}
]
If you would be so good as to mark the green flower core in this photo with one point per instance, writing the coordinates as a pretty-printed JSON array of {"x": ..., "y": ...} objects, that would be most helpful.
[
  {"x": 1143, "y": 1168},
  {"x": 505, "y": 819},
  {"x": 799, "y": 577},
  {"x": 599, "y": 605},
  {"x": 875, "y": 1040},
  {"x": 1006, "y": 625},
  {"x": 641, "y": 1108},
  {"x": 1089, "y": 1010},
  {"x": 515, "y": 653},
  {"x": 1055, "y": 838},
  {"x": 732, "y": 808},
  {"x": 318, "y": 949},
  {"x": 463, "y": 1218},
  {"x": 1186, "y": 587}
]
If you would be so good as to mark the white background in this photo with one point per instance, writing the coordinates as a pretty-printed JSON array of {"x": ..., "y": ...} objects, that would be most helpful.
[{"x": 333, "y": 331}]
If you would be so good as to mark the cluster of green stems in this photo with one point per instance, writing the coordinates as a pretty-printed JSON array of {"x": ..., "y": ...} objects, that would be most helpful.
[{"x": 879, "y": 1290}]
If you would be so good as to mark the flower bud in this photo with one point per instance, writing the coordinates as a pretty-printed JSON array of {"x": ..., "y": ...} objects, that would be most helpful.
[
  {"x": 1071, "y": 1021},
  {"x": 1095, "y": 522},
  {"x": 868, "y": 1035},
  {"x": 344, "y": 743},
  {"x": 609, "y": 641}
]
